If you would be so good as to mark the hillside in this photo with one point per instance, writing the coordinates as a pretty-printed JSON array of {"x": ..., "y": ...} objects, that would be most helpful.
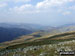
[
  {"x": 33, "y": 27},
  {"x": 10, "y": 31},
  {"x": 67, "y": 28},
  {"x": 49, "y": 45},
  {"x": 20, "y": 34},
  {"x": 47, "y": 39},
  {"x": 14, "y": 30},
  {"x": 7, "y": 34}
]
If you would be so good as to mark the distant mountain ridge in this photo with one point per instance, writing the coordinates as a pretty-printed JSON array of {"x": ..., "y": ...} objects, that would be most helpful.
[
  {"x": 67, "y": 27},
  {"x": 12, "y": 31},
  {"x": 22, "y": 25}
]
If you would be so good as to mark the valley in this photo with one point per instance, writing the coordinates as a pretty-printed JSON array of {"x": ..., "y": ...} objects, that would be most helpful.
[{"x": 46, "y": 42}]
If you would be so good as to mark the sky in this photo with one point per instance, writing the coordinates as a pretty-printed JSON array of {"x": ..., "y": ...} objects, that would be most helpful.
[{"x": 45, "y": 12}]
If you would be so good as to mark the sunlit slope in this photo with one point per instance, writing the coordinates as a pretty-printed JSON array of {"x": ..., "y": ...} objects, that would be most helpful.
[
  {"x": 24, "y": 38},
  {"x": 53, "y": 39},
  {"x": 29, "y": 38}
]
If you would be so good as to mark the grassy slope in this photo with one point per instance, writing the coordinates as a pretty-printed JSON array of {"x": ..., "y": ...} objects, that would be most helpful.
[{"x": 46, "y": 40}]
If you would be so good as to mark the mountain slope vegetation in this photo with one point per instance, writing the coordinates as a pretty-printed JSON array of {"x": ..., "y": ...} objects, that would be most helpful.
[
  {"x": 47, "y": 45},
  {"x": 52, "y": 39},
  {"x": 7, "y": 34}
]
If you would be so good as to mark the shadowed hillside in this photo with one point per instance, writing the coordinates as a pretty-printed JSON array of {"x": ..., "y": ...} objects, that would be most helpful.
[{"x": 7, "y": 34}]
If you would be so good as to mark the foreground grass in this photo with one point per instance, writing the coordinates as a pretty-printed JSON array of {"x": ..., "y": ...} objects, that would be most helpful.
[{"x": 42, "y": 50}]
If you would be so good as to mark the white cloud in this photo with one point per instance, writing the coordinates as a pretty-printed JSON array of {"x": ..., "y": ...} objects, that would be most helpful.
[
  {"x": 50, "y": 3},
  {"x": 72, "y": 7},
  {"x": 72, "y": 0},
  {"x": 44, "y": 6},
  {"x": 26, "y": 8},
  {"x": 66, "y": 13},
  {"x": 22, "y": 7},
  {"x": 3, "y": 5},
  {"x": 15, "y": 1},
  {"x": 21, "y": 0}
]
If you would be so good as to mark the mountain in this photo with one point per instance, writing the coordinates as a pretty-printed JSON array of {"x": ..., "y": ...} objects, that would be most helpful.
[
  {"x": 23, "y": 41},
  {"x": 67, "y": 27},
  {"x": 47, "y": 32},
  {"x": 50, "y": 46},
  {"x": 7, "y": 34},
  {"x": 45, "y": 37},
  {"x": 14, "y": 30},
  {"x": 27, "y": 26}
]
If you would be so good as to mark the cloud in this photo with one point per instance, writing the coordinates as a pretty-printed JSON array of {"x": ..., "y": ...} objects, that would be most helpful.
[
  {"x": 72, "y": 7},
  {"x": 3, "y": 5},
  {"x": 24, "y": 9},
  {"x": 36, "y": 11},
  {"x": 22, "y": 0},
  {"x": 66, "y": 13},
  {"x": 15, "y": 0},
  {"x": 50, "y": 3},
  {"x": 40, "y": 7}
]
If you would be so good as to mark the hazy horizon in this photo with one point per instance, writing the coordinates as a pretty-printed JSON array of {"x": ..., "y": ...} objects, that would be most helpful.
[{"x": 46, "y": 25}]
